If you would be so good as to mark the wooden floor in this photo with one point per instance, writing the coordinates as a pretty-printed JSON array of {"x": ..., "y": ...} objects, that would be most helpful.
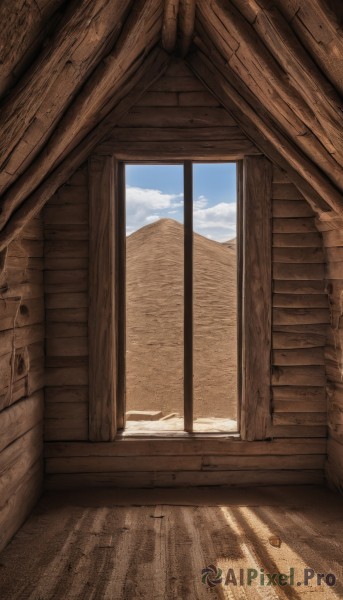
[{"x": 153, "y": 544}]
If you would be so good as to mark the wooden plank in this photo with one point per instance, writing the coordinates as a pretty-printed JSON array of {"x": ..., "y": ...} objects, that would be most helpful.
[
  {"x": 102, "y": 326},
  {"x": 302, "y": 356},
  {"x": 298, "y": 255},
  {"x": 67, "y": 300},
  {"x": 65, "y": 248},
  {"x": 298, "y": 418},
  {"x": 188, "y": 297},
  {"x": 65, "y": 232},
  {"x": 187, "y": 83},
  {"x": 229, "y": 150},
  {"x": 316, "y": 395},
  {"x": 74, "y": 393},
  {"x": 290, "y": 340},
  {"x": 166, "y": 464},
  {"x": 303, "y": 375},
  {"x": 297, "y": 240},
  {"x": 20, "y": 418},
  {"x": 159, "y": 99},
  {"x": 189, "y": 446},
  {"x": 291, "y": 209},
  {"x": 176, "y": 134},
  {"x": 70, "y": 346},
  {"x": 197, "y": 99},
  {"x": 296, "y": 316},
  {"x": 141, "y": 116},
  {"x": 66, "y": 281},
  {"x": 299, "y": 406},
  {"x": 299, "y": 286},
  {"x": 300, "y": 301},
  {"x": 67, "y": 315},
  {"x": 65, "y": 429},
  {"x": 184, "y": 479},
  {"x": 283, "y": 190},
  {"x": 256, "y": 318},
  {"x": 296, "y": 225},
  {"x": 66, "y": 376},
  {"x": 302, "y": 271},
  {"x": 65, "y": 330}
]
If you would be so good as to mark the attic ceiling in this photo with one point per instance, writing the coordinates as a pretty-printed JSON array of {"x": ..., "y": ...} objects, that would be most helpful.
[{"x": 70, "y": 69}]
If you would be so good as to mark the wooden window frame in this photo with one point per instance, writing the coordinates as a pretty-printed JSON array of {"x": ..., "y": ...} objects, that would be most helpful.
[{"x": 254, "y": 264}]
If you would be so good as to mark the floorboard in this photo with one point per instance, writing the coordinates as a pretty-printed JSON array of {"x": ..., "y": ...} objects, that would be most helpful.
[{"x": 124, "y": 544}]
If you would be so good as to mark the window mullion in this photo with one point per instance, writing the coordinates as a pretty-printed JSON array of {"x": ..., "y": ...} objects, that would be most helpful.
[{"x": 188, "y": 296}]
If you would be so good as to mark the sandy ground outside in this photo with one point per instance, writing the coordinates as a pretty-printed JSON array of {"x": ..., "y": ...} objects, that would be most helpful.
[
  {"x": 155, "y": 323},
  {"x": 153, "y": 544}
]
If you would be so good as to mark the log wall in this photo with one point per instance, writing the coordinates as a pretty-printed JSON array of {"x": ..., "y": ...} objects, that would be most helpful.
[
  {"x": 21, "y": 378},
  {"x": 178, "y": 116},
  {"x": 333, "y": 248},
  {"x": 66, "y": 310}
]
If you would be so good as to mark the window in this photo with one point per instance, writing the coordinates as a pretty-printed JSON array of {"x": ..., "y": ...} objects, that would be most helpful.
[
  {"x": 180, "y": 297},
  {"x": 107, "y": 302}
]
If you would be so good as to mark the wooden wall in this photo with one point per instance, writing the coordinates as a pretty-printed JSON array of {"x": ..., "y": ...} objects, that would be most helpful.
[
  {"x": 66, "y": 310},
  {"x": 21, "y": 378},
  {"x": 179, "y": 115},
  {"x": 300, "y": 315},
  {"x": 332, "y": 232}
]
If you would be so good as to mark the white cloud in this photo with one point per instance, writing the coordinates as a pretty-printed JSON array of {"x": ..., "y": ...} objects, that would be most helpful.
[
  {"x": 145, "y": 206},
  {"x": 216, "y": 222},
  {"x": 142, "y": 204}
]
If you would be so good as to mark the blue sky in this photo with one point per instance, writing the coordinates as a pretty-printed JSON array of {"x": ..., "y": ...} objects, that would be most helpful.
[{"x": 156, "y": 191}]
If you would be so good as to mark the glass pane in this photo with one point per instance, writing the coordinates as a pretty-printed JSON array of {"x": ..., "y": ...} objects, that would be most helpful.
[
  {"x": 154, "y": 297},
  {"x": 215, "y": 297}
]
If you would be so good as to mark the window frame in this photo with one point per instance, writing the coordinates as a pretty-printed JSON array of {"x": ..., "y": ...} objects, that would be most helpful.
[{"x": 254, "y": 190}]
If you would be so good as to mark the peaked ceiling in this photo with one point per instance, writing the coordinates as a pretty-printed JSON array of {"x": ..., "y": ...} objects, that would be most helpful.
[{"x": 71, "y": 69}]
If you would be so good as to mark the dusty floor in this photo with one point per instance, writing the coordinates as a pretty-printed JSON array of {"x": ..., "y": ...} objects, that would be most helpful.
[{"x": 153, "y": 544}]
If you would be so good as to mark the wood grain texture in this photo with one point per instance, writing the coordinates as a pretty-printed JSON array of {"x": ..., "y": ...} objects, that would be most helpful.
[
  {"x": 102, "y": 302},
  {"x": 120, "y": 102},
  {"x": 257, "y": 195}
]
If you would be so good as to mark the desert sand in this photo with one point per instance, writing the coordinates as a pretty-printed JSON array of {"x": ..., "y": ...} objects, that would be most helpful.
[{"x": 154, "y": 374}]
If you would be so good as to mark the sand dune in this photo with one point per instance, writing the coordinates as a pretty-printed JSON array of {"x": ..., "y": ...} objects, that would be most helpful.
[{"x": 155, "y": 322}]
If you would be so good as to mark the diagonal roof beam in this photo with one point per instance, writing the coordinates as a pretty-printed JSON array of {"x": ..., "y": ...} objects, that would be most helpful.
[
  {"x": 316, "y": 90},
  {"x": 141, "y": 32},
  {"x": 30, "y": 112},
  {"x": 23, "y": 26},
  {"x": 255, "y": 122},
  {"x": 249, "y": 59},
  {"x": 138, "y": 81}
]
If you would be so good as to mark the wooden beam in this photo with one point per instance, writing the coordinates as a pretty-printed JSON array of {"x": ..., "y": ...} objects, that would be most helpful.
[
  {"x": 30, "y": 112},
  {"x": 139, "y": 80},
  {"x": 169, "y": 30},
  {"x": 121, "y": 295},
  {"x": 139, "y": 35},
  {"x": 257, "y": 68},
  {"x": 318, "y": 24},
  {"x": 257, "y": 298},
  {"x": 186, "y": 23},
  {"x": 23, "y": 27},
  {"x": 102, "y": 323},
  {"x": 254, "y": 120},
  {"x": 301, "y": 69},
  {"x": 188, "y": 296}
]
